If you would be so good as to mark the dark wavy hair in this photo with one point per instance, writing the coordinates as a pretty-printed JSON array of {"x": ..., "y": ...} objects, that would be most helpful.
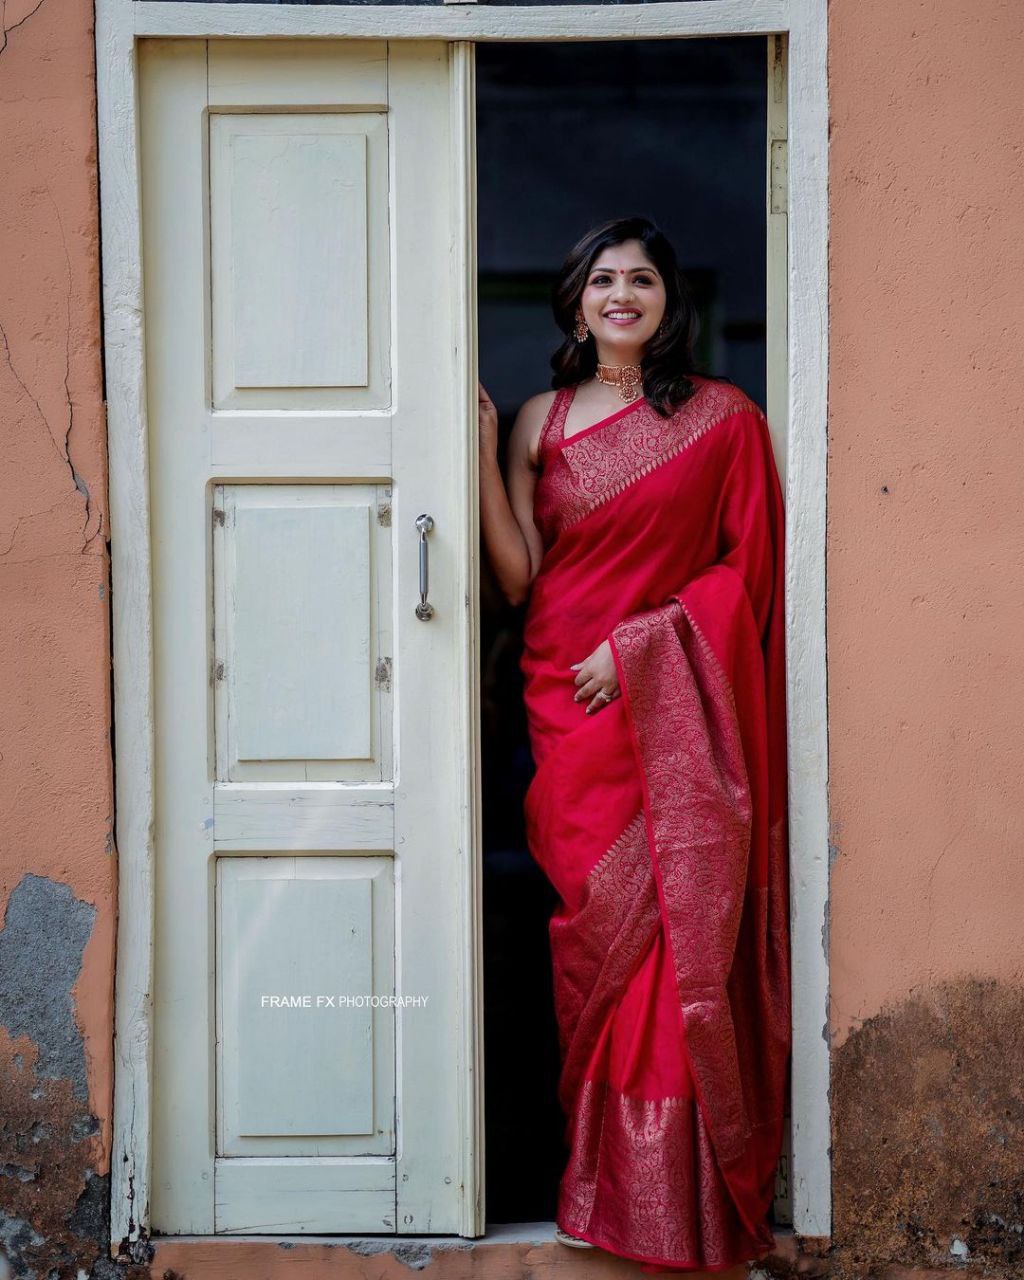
[{"x": 668, "y": 357}]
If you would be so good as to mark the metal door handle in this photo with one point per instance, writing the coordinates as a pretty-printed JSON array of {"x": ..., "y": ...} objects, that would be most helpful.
[{"x": 424, "y": 524}]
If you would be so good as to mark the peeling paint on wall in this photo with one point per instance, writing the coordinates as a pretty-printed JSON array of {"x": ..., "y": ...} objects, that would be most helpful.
[
  {"x": 54, "y": 1206},
  {"x": 57, "y": 878},
  {"x": 44, "y": 933}
]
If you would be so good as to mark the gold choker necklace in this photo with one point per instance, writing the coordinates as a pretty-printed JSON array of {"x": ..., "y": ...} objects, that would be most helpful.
[{"x": 627, "y": 377}]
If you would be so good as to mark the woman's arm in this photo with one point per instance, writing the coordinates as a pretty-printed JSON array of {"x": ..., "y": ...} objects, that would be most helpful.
[{"x": 512, "y": 540}]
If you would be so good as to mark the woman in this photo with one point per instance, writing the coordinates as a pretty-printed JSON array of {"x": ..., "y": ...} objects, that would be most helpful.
[{"x": 643, "y": 521}]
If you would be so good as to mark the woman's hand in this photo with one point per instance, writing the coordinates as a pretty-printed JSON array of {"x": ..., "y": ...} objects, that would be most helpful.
[
  {"x": 488, "y": 423},
  {"x": 597, "y": 678}
]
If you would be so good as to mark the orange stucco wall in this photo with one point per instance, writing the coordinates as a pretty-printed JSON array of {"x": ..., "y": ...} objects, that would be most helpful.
[
  {"x": 57, "y": 864},
  {"x": 925, "y": 677},
  {"x": 925, "y": 612},
  {"x": 925, "y": 497},
  {"x": 56, "y": 795}
]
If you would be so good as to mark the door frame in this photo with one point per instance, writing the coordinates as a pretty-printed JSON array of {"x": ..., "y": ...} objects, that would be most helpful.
[{"x": 802, "y": 397}]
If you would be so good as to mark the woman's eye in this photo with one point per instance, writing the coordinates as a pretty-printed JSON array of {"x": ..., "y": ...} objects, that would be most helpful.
[{"x": 604, "y": 279}]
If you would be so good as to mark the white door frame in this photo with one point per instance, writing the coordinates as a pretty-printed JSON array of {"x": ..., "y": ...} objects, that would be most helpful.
[{"x": 119, "y": 23}]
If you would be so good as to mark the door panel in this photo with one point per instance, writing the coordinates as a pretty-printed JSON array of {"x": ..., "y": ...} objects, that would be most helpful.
[
  {"x": 305, "y": 340},
  {"x": 304, "y": 1068},
  {"x": 289, "y": 197},
  {"x": 302, "y": 632}
]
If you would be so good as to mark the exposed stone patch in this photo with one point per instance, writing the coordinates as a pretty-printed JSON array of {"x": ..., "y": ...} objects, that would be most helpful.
[
  {"x": 35, "y": 1207},
  {"x": 54, "y": 1207},
  {"x": 54, "y": 1216},
  {"x": 44, "y": 934}
]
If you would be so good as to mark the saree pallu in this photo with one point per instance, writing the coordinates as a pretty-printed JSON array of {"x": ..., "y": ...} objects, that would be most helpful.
[{"x": 660, "y": 820}]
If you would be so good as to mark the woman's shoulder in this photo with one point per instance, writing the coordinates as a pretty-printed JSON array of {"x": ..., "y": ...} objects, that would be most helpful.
[
  {"x": 730, "y": 421},
  {"x": 529, "y": 424},
  {"x": 723, "y": 398},
  {"x": 534, "y": 408},
  {"x": 531, "y": 419},
  {"x": 740, "y": 434}
]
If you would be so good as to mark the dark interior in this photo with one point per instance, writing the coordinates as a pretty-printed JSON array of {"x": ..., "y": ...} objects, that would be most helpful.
[{"x": 570, "y": 134}]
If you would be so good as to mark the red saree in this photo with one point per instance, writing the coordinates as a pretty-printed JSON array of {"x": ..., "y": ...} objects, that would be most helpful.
[{"x": 660, "y": 820}]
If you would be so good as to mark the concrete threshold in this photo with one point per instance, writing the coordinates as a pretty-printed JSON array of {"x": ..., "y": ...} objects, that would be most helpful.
[
  {"x": 495, "y": 1233},
  {"x": 506, "y": 1251}
]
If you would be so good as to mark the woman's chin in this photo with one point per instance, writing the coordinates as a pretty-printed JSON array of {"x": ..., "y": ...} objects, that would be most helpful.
[{"x": 625, "y": 345}]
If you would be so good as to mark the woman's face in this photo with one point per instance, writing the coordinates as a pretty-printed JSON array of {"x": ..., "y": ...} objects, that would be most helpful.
[{"x": 623, "y": 302}]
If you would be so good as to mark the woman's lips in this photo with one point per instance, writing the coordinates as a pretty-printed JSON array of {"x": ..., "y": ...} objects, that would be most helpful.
[{"x": 623, "y": 320}]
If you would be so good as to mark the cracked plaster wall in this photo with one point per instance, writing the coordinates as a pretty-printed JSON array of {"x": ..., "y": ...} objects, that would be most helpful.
[{"x": 57, "y": 868}]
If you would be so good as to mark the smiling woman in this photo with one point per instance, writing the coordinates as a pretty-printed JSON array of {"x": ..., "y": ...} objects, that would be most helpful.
[
  {"x": 630, "y": 298},
  {"x": 647, "y": 540},
  {"x": 611, "y": 309}
]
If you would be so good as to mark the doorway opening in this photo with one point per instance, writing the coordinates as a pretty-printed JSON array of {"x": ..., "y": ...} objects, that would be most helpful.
[
  {"x": 569, "y": 135},
  {"x": 306, "y": 85}
]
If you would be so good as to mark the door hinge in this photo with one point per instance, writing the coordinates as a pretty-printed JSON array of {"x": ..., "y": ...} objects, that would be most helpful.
[
  {"x": 384, "y": 514},
  {"x": 778, "y": 176},
  {"x": 218, "y": 671},
  {"x": 382, "y": 675},
  {"x": 218, "y": 515},
  {"x": 778, "y": 129}
]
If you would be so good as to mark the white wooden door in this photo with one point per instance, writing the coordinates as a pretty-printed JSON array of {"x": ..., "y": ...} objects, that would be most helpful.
[{"x": 306, "y": 373}]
